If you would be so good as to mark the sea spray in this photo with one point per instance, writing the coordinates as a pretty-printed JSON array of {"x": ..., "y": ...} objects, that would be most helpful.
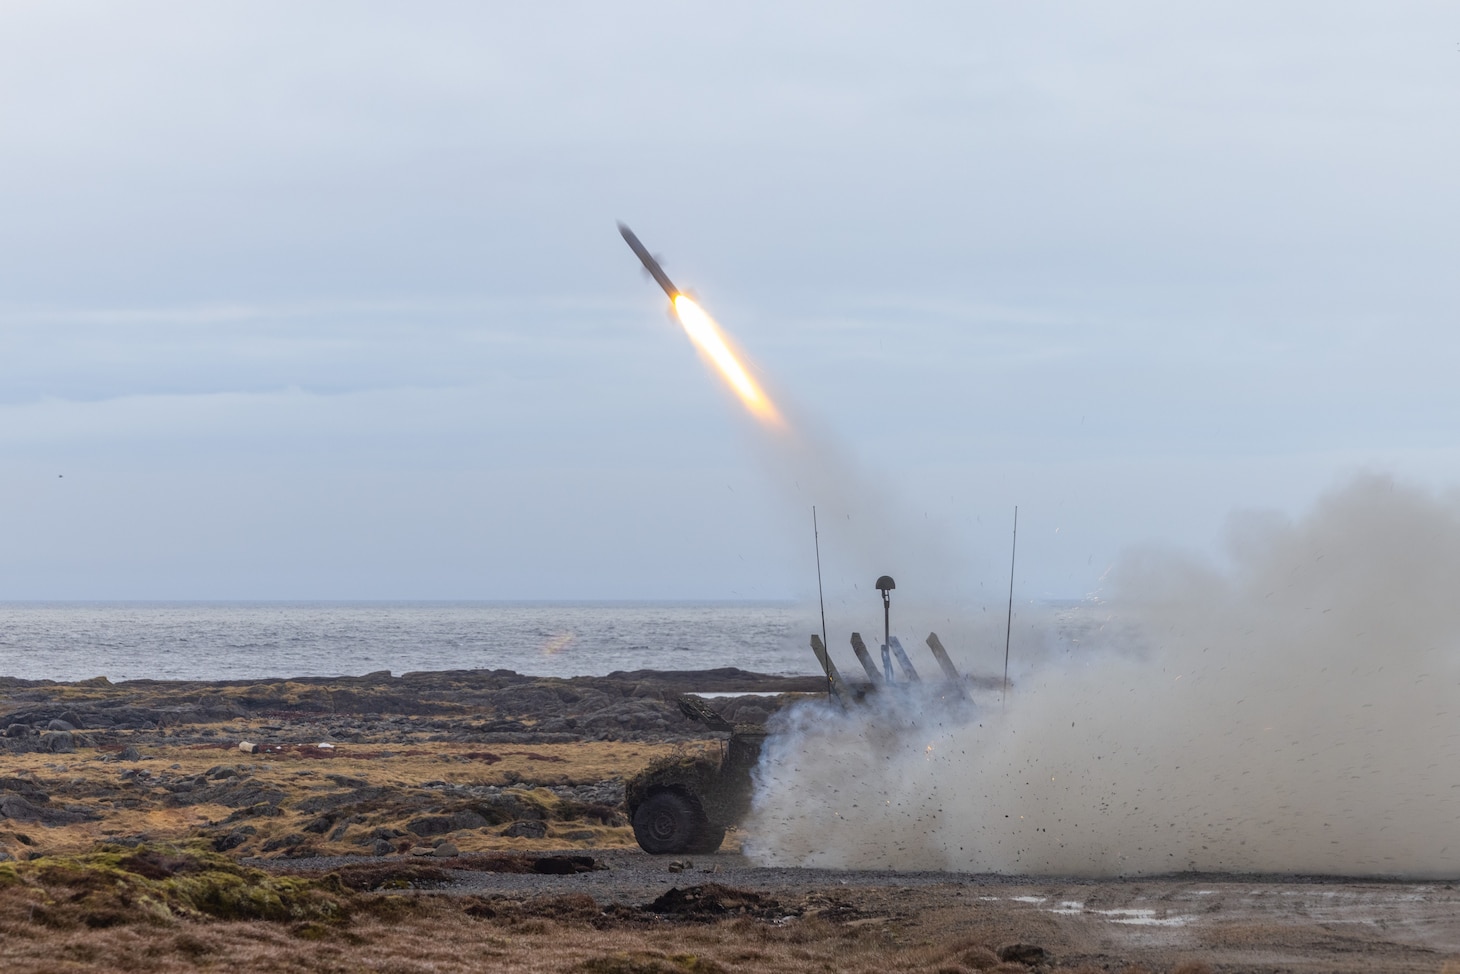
[{"x": 1296, "y": 711}]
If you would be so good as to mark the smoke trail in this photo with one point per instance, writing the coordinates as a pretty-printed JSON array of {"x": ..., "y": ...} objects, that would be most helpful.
[
  {"x": 867, "y": 535},
  {"x": 1296, "y": 711}
]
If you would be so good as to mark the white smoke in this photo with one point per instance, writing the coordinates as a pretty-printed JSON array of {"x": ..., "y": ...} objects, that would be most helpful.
[{"x": 1296, "y": 711}]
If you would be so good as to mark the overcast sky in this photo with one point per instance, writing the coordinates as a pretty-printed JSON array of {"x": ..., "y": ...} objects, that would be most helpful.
[{"x": 326, "y": 300}]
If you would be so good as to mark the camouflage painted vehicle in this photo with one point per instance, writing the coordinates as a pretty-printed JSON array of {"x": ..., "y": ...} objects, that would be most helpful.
[{"x": 684, "y": 804}]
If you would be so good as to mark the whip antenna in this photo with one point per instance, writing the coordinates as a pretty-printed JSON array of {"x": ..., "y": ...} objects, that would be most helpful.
[
  {"x": 816, "y": 536},
  {"x": 1009, "y": 620}
]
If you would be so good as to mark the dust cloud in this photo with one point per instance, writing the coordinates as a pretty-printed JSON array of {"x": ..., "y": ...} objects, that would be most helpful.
[
  {"x": 865, "y": 528},
  {"x": 1294, "y": 710}
]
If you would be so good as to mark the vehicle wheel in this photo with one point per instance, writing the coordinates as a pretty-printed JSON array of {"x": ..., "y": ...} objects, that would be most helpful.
[
  {"x": 668, "y": 822},
  {"x": 710, "y": 839}
]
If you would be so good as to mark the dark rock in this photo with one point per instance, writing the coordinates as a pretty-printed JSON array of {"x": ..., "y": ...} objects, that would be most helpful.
[
  {"x": 74, "y": 719},
  {"x": 263, "y": 810},
  {"x": 364, "y": 798},
  {"x": 25, "y": 787},
  {"x": 285, "y": 841},
  {"x": 60, "y": 725},
  {"x": 428, "y": 825},
  {"x": 383, "y": 848},
  {"x": 1026, "y": 954},
  {"x": 563, "y": 865},
  {"x": 19, "y": 730},
  {"x": 239, "y": 793},
  {"x": 525, "y": 830},
  {"x": 232, "y": 840},
  {"x": 17, "y": 808},
  {"x": 712, "y": 901},
  {"x": 129, "y": 753},
  {"x": 467, "y": 819},
  {"x": 320, "y": 825},
  {"x": 58, "y": 742}
]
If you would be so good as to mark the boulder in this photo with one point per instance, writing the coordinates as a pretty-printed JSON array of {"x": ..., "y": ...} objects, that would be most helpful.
[
  {"x": 527, "y": 829},
  {"x": 467, "y": 819},
  {"x": 58, "y": 742},
  {"x": 232, "y": 840},
  {"x": 428, "y": 825},
  {"x": 17, "y": 809}
]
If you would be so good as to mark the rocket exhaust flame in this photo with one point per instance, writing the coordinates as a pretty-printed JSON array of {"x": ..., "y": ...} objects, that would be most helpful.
[{"x": 707, "y": 336}]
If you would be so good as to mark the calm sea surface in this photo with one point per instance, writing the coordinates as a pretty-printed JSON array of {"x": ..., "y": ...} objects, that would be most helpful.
[{"x": 251, "y": 640}]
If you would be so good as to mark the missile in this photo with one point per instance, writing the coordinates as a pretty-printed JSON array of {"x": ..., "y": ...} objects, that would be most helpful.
[{"x": 650, "y": 264}]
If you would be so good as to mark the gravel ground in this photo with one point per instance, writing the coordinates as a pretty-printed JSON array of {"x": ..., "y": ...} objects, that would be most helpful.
[
  {"x": 632, "y": 877},
  {"x": 1231, "y": 923}
]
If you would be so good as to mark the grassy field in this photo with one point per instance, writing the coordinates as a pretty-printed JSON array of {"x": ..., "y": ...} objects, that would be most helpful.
[{"x": 395, "y": 785}]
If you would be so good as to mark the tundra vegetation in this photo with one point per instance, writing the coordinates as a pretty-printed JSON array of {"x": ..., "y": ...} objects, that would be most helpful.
[{"x": 136, "y": 835}]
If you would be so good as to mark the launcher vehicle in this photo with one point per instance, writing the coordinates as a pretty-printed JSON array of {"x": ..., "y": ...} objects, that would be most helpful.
[{"x": 684, "y": 804}]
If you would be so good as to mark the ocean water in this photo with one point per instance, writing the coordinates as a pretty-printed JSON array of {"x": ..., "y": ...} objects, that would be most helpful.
[{"x": 255, "y": 640}]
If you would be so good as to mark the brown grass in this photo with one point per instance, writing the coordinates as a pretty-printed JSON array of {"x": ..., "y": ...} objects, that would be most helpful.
[
  {"x": 168, "y": 909},
  {"x": 299, "y": 776},
  {"x": 444, "y": 941}
]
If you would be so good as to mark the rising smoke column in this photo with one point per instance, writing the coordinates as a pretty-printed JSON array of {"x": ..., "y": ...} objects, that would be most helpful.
[
  {"x": 1296, "y": 711},
  {"x": 867, "y": 535}
]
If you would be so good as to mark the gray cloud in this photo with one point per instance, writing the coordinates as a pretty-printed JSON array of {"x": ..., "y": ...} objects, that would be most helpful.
[{"x": 1075, "y": 259}]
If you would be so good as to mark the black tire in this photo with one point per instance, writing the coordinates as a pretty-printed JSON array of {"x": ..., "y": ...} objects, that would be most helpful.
[
  {"x": 710, "y": 839},
  {"x": 669, "y": 822}
]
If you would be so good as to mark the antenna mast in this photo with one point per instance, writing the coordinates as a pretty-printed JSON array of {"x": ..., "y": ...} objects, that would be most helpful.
[
  {"x": 820, "y": 598},
  {"x": 1009, "y": 620}
]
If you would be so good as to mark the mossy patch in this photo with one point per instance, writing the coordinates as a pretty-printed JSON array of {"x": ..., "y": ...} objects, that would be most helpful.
[{"x": 112, "y": 886}]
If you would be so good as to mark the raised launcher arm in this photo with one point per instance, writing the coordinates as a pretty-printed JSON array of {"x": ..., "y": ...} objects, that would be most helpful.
[
  {"x": 949, "y": 670},
  {"x": 910, "y": 674},
  {"x": 908, "y": 670},
  {"x": 696, "y": 709}
]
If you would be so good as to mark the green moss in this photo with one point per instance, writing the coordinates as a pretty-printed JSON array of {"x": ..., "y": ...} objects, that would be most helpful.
[{"x": 159, "y": 883}]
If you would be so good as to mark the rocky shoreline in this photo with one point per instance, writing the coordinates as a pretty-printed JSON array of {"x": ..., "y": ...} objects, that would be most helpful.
[{"x": 495, "y": 706}]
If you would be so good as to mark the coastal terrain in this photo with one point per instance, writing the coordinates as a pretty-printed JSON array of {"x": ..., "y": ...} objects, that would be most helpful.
[{"x": 473, "y": 820}]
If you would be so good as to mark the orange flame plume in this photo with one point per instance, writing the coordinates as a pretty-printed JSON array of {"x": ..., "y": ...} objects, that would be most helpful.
[{"x": 708, "y": 338}]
